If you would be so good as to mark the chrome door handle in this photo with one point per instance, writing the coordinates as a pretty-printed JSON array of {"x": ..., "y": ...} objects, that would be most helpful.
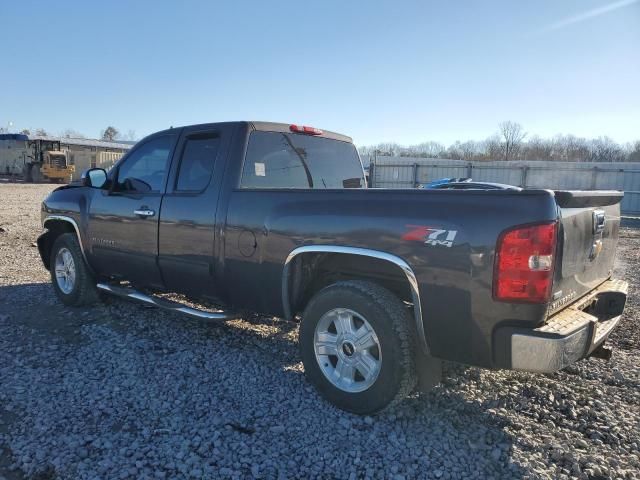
[{"x": 144, "y": 213}]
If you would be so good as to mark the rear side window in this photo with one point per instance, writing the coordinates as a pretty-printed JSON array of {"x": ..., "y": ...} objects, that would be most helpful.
[
  {"x": 197, "y": 161},
  {"x": 289, "y": 160}
]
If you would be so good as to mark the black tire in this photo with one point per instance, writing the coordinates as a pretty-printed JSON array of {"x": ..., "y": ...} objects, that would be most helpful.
[
  {"x": 84, "y": 291},
  {"x": 393, "y": 326}
]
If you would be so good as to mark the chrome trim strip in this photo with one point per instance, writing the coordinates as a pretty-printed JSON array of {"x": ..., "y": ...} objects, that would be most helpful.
[
  {"x": 399, "y": 262},
  {"x": 75, "y": 226},
  {"x": 172, "y": 306}
]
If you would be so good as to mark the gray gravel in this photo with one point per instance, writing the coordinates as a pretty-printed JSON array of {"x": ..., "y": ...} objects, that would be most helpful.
[{"x": 123, "y": 391}]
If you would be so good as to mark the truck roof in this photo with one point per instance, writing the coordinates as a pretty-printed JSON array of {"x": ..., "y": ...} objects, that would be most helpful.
[
  {"x": 274, "y": 127},
  {"x": 286, "y": 127}
]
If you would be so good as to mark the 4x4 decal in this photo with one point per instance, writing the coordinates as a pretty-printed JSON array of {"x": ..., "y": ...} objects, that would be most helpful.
[{"x": 434, "y": 236}]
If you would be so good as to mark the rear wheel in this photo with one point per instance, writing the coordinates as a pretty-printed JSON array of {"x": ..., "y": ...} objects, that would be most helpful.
[
  {"x": 71, "y": 278},
  {"x": 356, "y": 346}
]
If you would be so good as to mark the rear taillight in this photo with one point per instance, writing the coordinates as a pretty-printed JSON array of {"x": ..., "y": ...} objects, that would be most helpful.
[
  {"x": 524, "y": 264},
  {"x": 305, "y": 129}
]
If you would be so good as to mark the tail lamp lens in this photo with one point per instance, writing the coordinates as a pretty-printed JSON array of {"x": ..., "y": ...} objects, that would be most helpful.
[
  {"x": 305, "y": 129},
  {"x": 524, "y": 264}
]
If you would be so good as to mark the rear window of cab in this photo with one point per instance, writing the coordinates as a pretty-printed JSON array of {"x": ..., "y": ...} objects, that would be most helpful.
[{"x": 291, "y": 160}]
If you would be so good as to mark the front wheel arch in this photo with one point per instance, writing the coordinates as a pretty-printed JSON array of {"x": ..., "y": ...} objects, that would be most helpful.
[{"x": 54, "y": 228}]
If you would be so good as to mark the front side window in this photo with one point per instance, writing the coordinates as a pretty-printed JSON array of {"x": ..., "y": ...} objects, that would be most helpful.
[
  {"x": 289, "y": 160},
  {"x": 144, "y": 170},
  {"x": 198, "y": 158}
]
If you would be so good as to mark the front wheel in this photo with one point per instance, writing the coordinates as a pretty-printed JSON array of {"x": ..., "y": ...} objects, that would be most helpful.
[
  {"x": 71, "y": 278},
  {"x": 356, "y": 346}
]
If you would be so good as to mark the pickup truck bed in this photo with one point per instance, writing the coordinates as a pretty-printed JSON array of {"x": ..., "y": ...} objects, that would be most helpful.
[{"x": 277, "y": 219}]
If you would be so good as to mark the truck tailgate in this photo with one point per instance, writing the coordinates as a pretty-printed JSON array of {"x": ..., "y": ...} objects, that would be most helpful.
[{"x": 587, "y": 241}]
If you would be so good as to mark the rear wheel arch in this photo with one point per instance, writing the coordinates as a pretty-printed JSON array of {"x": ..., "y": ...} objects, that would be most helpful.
[{"x": 310, "y": 268}]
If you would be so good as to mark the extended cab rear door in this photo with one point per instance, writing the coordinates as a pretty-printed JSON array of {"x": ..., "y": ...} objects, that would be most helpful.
[{"x": 189, "y": 215}]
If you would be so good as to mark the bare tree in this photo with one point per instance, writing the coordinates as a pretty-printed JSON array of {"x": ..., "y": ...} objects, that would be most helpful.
[
  {"x": 25, "y": 131},
  {"x": 386, "y": 149},
  {"x": 512, "y": 137},
  {"x": 510, "y": 144},
  {"x": 130, "y": 135},
  {"x": 41, "y": 132},
  {"x": 110, "y": 133},
  {"x": 469, "y": 150},
  {"x": 634, "y": 152},
  {"x": 71, "y": 133},
  {"x": 429, "y": 149},
  {"x": 570, "y": 148},
  {"x": 537, "y": 149},
  {"x": 603, "y": 149},
  {"x": 492, "y": 148},
  {"x": 454, "y": 151}
]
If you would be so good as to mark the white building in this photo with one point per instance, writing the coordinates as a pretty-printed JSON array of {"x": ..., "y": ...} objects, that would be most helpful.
[{"x": 17, "y": 150}]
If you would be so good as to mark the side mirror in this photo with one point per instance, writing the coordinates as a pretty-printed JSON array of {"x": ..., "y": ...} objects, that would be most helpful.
[{"x": 94, "y": 177}]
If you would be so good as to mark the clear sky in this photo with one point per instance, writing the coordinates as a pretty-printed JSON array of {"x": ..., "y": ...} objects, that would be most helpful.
[{"x": 378, "y": 71}]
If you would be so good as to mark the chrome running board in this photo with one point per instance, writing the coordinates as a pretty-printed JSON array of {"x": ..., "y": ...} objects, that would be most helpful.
[{"x": 133, "y": 294}]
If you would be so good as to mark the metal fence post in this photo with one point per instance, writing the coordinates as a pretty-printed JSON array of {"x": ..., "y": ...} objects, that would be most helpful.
[
  {"x": 469, "y": 170},
  {"x": 415, "y": 175},
  {"x": 372, "y": 171},
  {"x": 523, "y": 176},
  {"x": 594, "y": 177}
]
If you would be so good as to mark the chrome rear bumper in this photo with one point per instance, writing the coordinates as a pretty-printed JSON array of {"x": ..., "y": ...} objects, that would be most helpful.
[{"x": 571, "y": 334}]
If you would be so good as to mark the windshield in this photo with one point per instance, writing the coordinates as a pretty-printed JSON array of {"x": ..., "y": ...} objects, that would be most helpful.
[
  {"x": 290, "y": 160},
  {"x": 58, "y": 159}
]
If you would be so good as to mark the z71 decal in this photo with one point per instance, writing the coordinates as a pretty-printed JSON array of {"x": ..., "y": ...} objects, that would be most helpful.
[{"x": 434, "y": 236}]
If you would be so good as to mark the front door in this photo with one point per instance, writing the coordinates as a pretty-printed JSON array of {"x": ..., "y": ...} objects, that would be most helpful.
[{"x": 123, "y": 225}]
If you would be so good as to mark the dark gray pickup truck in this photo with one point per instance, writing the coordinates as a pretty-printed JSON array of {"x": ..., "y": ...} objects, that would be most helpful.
[{"x": 277, "y": 219}]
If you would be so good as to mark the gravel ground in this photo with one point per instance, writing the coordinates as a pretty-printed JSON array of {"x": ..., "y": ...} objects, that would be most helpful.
[{"x": 123, "y": 391}]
